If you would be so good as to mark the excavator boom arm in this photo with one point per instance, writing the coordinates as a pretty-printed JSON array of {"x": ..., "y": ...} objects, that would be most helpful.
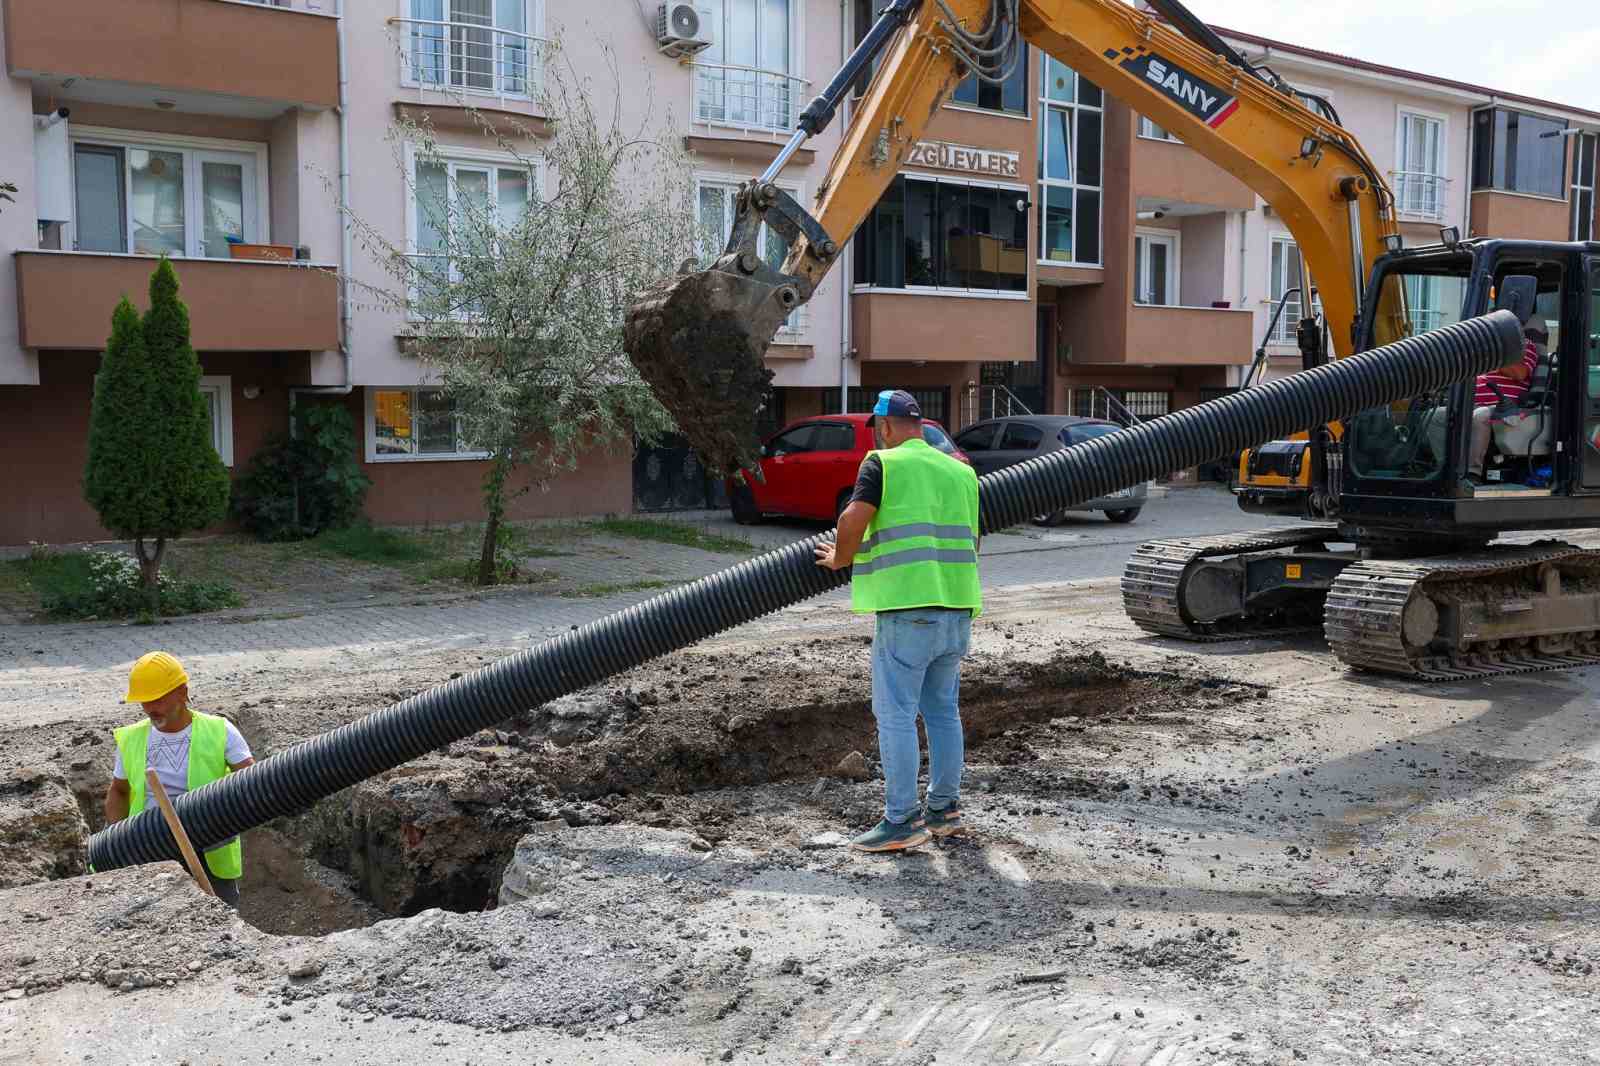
[{"x": 685, "y": 338}]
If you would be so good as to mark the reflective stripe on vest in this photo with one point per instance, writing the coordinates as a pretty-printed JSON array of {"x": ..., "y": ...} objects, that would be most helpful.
[
  {"x": 208, "y": 750},
  {"x": 920, "y": 549}
]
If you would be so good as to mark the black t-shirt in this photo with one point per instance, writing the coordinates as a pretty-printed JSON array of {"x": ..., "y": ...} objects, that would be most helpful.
[{"x": 869, "y": 482}]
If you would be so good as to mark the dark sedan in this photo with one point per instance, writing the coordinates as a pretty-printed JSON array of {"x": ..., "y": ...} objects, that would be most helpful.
[{"x": 1000, "y": 442}]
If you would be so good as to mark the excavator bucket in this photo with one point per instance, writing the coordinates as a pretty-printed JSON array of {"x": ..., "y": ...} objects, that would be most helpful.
[{"x": 698, "y": 340}]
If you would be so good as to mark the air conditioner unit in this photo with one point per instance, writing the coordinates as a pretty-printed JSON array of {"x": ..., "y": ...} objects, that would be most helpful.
[{"x": 678, "y": 31}]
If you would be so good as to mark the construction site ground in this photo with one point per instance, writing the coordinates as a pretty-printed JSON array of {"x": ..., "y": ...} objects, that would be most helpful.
[{"x": 1228, "y": 853}]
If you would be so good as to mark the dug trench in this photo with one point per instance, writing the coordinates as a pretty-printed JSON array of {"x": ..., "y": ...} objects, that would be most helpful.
[
  {"x": 686, "y": 744},
  {"x": 692, "y": 743}
]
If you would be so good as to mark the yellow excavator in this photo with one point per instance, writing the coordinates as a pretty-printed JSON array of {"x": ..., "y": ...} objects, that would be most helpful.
[{"x": 1400, "y": 573}]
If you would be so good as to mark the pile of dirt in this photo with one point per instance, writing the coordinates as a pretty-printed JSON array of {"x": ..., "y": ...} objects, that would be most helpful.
[
  {"x": 698, "y": 341},
  {"x": 1205, "y": 954},
  {"x": 43, "y": 835}
]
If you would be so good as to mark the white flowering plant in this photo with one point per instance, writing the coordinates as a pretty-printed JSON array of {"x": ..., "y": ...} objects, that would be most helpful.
[{"x": 108, "y": 584}]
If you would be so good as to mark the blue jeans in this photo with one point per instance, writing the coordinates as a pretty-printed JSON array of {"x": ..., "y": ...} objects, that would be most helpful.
[{"x": 916, "y": 665}]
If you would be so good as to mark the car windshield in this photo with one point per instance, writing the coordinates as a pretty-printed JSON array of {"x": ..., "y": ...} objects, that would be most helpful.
[
  {"x": 936, "y": 437},
  {"x": 1071, "y": 435}
]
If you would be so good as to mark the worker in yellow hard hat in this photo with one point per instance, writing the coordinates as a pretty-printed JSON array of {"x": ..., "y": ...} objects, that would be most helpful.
[{"x": 186, "y": 749}]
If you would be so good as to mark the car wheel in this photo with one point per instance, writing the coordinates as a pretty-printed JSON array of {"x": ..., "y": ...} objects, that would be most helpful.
[
  {"x": 1125, "y": 515},
  {"x": 742, "y": 502}
]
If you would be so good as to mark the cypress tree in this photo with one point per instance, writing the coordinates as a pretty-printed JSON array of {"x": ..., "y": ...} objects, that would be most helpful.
[{"x": 152, "y": 472}]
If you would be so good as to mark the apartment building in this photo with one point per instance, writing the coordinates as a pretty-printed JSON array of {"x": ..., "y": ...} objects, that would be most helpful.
[
  {"x": 1044, "y": 248},
  {"x": 215, "y": 132}
]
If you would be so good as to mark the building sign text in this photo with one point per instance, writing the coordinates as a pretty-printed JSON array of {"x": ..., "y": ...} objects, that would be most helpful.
[{"x": 942, "y": 155}]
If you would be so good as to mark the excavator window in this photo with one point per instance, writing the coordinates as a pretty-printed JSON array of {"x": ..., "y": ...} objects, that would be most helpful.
[
  {"x": 1407, "y": 440},
  {"x": 1591, "y": 420}
]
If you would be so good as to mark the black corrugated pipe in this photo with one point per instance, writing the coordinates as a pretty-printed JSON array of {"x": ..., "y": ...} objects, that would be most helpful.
[{"x": 296, "y": 778}]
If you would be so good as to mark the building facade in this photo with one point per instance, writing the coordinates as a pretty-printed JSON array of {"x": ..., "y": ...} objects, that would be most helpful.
[{"x": 1043, "y": 249}]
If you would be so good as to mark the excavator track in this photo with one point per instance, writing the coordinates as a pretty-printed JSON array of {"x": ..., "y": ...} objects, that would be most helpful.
[
  {"x": 1152, "y": 582},
  {"x": 1365, "y": 614}
]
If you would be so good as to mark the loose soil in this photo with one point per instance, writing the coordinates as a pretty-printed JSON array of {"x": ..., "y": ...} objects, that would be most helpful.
[
  {"x": 1183, "y": 856},
  {"x": 439, "y": 832}
]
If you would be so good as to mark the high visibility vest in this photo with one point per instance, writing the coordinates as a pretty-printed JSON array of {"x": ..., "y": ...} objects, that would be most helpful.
[
  {"x": 921, "y": 548},
  {"x": 208, "y": 761}
]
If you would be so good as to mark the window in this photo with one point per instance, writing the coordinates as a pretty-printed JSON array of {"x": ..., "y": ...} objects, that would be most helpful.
[
  {"x": 476, "y": 46},
  {"x": 1069, "y": 167},
  {"x": 744, "y": 78},
  {"x": 413, "y": 424},
  {"x": 1433, "y": 301},
  {"x": 715, "y": 207},
  {"x": 1155, "y": 274},
  {"x": 1285, "y": 276},
  {"x": 1091, "y": 403},
  {"x": 1010, "y": 97},
  {"x": 1080, "y": 434},
  {"x": 218, "y": 395},
  {"x": 1020, "y": 437},
  {"x": 1155, "y": 133},
  {"x": 947, "y": 236},
  {"x": 1517, "y": 152},
  {"x": 468, "y": 197},
  {"x": 1419, "y": 181},
  {"x": 155, "y": 198},
  {"x": 834, "y": 437},
  {"x": 1583, "y": 174},
  {"x": 937, "y": 438},
  {"x": 796, "y": 441},
  {"x": 977, "y": 439}
]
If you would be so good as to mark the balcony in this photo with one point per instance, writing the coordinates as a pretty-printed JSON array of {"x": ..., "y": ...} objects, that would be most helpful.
[
  {"x": 1170, "y": 171},
  {"x": 748, "y": 99},
  {"x": 1519, "y": 215},
  {"x": 471, "y": 59},
  {"x": 1189, "y": 336},
  {"x": 65, "y": 300},
  {"x": 1419, "y": 195},
  {"x": 889, "y": 325},
  {"x": 251, "y": 59}
]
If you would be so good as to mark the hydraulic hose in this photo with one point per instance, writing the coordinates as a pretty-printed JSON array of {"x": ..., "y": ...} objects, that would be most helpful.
[{"x": 296, "y": 778}]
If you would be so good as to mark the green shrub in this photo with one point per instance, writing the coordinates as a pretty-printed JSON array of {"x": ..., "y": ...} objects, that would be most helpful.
[
  {"x": 102, "y": 584},
  {"x": 152, "y": 473},
  {"x": 299, "y": 486}
]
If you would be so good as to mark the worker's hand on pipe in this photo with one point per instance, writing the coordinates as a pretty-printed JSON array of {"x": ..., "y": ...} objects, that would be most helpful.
[{"x": 828, "y": 558}]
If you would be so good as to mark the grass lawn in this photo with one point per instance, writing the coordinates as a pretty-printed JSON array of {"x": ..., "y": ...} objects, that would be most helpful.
[
  {"x": 63, "y": 585},
  {"x": 434, "y": 555}
]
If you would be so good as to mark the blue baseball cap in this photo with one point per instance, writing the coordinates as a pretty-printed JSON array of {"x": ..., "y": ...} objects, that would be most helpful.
[{"x": 895, "y": 403}]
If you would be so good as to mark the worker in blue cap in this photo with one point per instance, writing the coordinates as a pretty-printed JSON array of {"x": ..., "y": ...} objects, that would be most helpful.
[{"x": 910, "y": 534}]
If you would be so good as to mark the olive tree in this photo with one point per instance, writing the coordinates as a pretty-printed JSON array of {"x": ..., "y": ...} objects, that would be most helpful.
[
  {"x": 8, "y": 192},
  {"x": 515, "y": 285}
]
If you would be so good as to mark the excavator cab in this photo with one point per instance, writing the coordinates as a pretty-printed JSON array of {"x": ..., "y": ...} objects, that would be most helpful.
[{"x": 1467, "y": 466}]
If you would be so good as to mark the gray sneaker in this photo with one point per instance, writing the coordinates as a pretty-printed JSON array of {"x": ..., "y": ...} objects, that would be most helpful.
[
  {"x": 944, "y": 822},
  {"x": 891, "y": 836}
]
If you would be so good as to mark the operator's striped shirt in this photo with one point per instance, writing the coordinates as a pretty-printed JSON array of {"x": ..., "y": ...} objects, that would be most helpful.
[{"x": 1513, "y": 390}]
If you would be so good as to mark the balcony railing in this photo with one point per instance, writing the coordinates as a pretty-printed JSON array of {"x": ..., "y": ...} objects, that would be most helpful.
[
  {"x": 726, "y": 94},
  {"x": 1420, "y": 195},
  {"x": 469, "y": 57}
]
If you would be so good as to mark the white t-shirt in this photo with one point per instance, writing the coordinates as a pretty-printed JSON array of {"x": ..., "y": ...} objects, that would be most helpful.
[{"x": 168, "y": 755}]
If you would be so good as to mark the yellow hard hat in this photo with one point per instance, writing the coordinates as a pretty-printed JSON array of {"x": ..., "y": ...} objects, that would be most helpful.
[{"x": 154, "y": 675}]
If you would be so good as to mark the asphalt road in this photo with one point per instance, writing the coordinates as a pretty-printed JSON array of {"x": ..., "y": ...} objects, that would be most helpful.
[{"x": 1085, "y": 546}]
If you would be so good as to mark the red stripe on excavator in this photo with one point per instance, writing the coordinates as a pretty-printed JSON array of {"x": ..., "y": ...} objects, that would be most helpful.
[{"x": 1222, "y": 116}]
